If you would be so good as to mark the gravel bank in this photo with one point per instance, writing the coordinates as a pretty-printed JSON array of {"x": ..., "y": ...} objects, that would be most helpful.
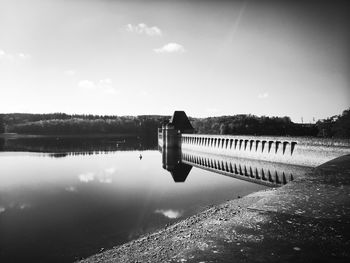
[{"x": 307, "y": 220}]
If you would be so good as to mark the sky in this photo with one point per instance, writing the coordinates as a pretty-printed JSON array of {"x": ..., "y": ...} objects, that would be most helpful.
[{"x": 209, "y": 58}]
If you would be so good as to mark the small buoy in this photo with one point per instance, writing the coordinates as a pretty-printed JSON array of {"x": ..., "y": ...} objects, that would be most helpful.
[{"x": 140, "y": 156}]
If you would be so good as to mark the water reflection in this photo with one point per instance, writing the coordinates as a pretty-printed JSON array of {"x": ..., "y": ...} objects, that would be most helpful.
[
  {"x": 172, "y": 214},
  {"x": 180, "y": 162},
  {"x": 62, "y": 209},
  {"x": 172, "y": 162},
  {"x": 62, "y": 146},
  {"x": 2, "y": 144}
]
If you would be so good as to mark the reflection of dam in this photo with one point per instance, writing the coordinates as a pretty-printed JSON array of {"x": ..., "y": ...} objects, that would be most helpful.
[
  {"x": 179, "y": 164},
  {"x": 261, "y": 172},
  {"x": 265, "y": 160}
]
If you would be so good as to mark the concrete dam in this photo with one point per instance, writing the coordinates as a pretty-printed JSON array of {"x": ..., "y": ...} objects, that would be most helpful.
[
  {"x": 267, "y": 160},
  {"x": 303, "y": 218}
]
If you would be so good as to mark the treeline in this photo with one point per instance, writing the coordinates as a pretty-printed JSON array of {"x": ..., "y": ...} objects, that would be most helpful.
[
  {"x": 2, "y": 124},
  {"x": 146, "y": 125},
  {"x": 253, "y": 125},
  {"x": 17, "y": 118},
  {"x": 336, "y": 126},
  {"x": 54, "y": 124}
]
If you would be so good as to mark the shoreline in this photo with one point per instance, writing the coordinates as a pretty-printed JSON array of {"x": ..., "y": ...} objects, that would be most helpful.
[
  {"x": 97, "y": 135},
  {"x": 305, "y": 220}
]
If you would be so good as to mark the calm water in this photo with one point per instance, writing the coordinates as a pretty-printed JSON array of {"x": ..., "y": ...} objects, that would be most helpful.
[{"x": 61, "y": 209}]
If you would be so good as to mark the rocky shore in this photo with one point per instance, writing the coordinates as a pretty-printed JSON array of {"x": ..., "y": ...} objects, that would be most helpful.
[{"x": 307, "y": 220}]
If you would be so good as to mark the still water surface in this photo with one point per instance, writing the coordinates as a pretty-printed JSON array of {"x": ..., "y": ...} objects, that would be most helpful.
[{"x": 62, "y": 209}]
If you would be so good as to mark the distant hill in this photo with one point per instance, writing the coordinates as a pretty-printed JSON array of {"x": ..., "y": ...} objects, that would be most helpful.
[
  {"x": 146, "y": 125},
  {"x": 253, "y": 125}
]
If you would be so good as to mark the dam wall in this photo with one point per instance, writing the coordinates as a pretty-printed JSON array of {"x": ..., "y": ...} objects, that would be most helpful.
[
  {"x": 310, "y": 152},
  {"x": 289, "y": 150}
]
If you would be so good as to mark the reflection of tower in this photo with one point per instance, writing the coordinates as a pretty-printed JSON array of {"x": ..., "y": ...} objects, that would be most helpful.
[
  {"x": 2, "y": 144},
  {"x": 172, "y": 163},
  {"x": 170, "y": 140}
]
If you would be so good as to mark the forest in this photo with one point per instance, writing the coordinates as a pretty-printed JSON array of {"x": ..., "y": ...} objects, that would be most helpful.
[{"x": 146, "y": 125}]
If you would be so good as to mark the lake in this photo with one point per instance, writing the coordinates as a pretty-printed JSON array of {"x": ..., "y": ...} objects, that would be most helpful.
[{"x": 62, "y": 199}]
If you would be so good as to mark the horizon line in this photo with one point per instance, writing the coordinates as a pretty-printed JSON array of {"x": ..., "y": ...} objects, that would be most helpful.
[{"x": 166, "y": 115}]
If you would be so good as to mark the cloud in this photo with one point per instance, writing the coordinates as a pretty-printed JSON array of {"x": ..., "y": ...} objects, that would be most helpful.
[
  {"x": 170, "y": 48},
  {"x": 24, "y": 56},
  {"x": 71, "y": 189},
  {"x": 263, "y": 96},
  {"x": 105, "y": 179},
  {"x": 86, "y": 177},
  {"x": 106, "y": 81},
  {"x": 143, "y": 29},
  {"x": 20, "y": 206},
  {"x": 24, "y": 206},
  {"x": 5, "y": 56},
  {"x": 172, "y": 214},
  {"x": 104, "y": 85},
  {"x": 2, "y": 209},
  {"x": 70, "y": 72},
  {"x": 87, "y": 84},
  {"x": 106, "y": 176},
  {"x": 110, "y": 170}
]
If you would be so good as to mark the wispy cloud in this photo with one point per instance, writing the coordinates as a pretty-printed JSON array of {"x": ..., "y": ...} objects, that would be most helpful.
[
  {"x": 110, "y": 170},
  {"x": 169, "y": 213},
  {"x": 144, "y": 94},
  {"x": 87, "y": 84},
  {"x": 104, "y": 85},
  {"x": 12, "y": 57},
  {"x": 142, "y": 28},
  {"x": 105, "y": 179},
  {"x": 263, "y": 95},
  {"x": 4, "y": 55},
  {"x": 70, "y": 72},
  {"x": 20, "y": 206},
  {"x": 2, "y": 209},
  {"x": 24, "y": 56},
  {"x": 106, "y": 176},
  {"x": 170, "y": 48},
  {"x": 86, "y": 177},
  {"x": 24, "y": 206},
  {"x": 71, "y": 189}
]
